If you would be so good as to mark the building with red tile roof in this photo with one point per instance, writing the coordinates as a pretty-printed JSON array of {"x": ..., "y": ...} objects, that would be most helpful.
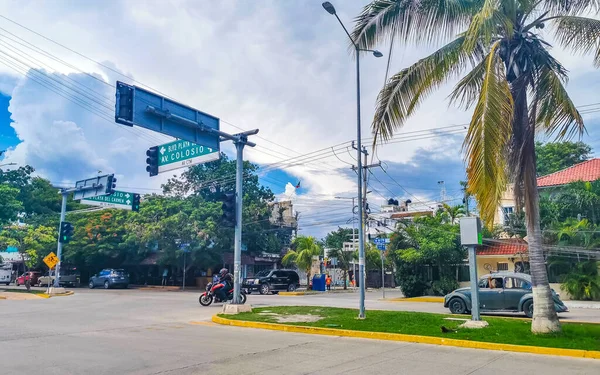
[{"x": 586, "y": 171}]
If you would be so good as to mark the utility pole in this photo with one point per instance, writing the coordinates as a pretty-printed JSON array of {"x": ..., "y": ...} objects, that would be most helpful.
[{"x": 363, "y": 216}]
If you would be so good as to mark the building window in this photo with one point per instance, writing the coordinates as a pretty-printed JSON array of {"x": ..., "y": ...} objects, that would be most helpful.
[
  {"x": 502, "y": 266},
  {"x": 507, "y": 211}
]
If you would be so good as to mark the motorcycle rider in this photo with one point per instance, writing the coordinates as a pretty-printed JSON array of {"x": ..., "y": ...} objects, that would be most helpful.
[{"x": 225, "y": 284}]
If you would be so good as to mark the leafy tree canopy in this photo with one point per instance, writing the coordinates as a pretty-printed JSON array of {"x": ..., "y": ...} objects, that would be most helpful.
[{"x": 553, "y": 157}]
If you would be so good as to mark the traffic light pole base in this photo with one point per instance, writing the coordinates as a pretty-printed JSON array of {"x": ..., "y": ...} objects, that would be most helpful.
[
  {"x": 55, "y": 290},
  {"x": 229, "y": 309}
]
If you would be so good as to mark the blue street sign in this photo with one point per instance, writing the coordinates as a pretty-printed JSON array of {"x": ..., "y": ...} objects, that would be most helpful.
[
  {"x": 381, "y": 240},
  {"x": 137, "y": 106},
  {"x": 381, "y": 246}
]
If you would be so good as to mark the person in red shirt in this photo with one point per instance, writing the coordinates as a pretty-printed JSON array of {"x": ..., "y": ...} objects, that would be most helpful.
[{"x": 328, "y": 282}]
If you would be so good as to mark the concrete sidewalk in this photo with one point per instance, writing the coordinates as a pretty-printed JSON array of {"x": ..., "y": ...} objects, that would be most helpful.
[{"x": 582, "y": 304}]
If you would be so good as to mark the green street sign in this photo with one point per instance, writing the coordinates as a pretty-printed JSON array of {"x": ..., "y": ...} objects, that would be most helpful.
[
  {"x": 181, "y": 154},
  {"x": 119, "y": 199}
]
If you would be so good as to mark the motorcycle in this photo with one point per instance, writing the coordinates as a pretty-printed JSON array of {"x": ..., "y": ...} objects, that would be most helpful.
[{"x": 207, "y": 298}]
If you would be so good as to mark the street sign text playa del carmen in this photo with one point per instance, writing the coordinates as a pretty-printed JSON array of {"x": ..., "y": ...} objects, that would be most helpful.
[
  {"x": 118, "y": 199},
  {"x": 181, "y": 153}
]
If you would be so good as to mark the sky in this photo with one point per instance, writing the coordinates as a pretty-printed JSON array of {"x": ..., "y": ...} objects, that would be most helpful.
[{"x": 279, "y": 66}]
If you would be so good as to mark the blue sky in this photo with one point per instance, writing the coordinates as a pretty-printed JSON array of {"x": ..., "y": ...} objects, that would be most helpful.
[
  {"x": 8, "y": 138},
  {"x": 282, "y": 67}
]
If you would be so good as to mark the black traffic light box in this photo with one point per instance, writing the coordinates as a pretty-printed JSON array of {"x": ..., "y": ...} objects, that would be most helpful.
[
  {"x": 152, "y": 161},
  {"x": 228, "y": 218},
  {"x": 111, "y": 184},
  {"x": 66, "y": 232},
  {"x": 135, "y": 206}
]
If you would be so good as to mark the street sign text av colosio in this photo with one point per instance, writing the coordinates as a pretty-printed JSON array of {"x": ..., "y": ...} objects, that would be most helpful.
[{"x": 181, "y": 154}]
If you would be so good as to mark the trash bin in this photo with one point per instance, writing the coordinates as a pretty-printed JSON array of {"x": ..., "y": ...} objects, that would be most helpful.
[{"x": 318, "y": 283}]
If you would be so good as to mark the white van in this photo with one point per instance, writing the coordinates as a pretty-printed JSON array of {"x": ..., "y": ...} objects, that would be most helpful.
[{"x": 5, "y": 273}]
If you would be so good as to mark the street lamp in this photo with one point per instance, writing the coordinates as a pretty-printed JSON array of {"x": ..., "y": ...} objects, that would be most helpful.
[{"x": 361, "y": 244}]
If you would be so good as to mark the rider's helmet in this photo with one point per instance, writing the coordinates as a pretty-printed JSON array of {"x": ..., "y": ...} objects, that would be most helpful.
[{"x": 223, "y": 272}]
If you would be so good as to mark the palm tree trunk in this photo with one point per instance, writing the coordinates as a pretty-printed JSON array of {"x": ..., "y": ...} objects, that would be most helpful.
[
  {"x": 308, "y": 287},
  {"x": 545, "y": 319},
  {"x": 345, "y": 278}
]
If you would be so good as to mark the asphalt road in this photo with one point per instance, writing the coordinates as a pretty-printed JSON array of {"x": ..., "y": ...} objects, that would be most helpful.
[{"x": 148, "y": 332}]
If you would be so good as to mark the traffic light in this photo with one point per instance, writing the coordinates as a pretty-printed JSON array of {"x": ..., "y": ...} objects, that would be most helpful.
[
  {"x": 135, "y": 206},
  {"x": 228, "y": 218},
  {"x": 66, "y": 232},
  {"x": 111, "y": 184},
  {"x": 152, "y": 161}
]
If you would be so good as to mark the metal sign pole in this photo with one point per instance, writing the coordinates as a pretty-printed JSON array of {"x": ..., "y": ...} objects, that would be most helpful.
[
  {"x": 63, "y": 211},
  {"x": 382, "y": 276},
  {"x": 474, "y": 286},
  {"x": 184, "y": 256},
  {"x": 237, "y": 254}
]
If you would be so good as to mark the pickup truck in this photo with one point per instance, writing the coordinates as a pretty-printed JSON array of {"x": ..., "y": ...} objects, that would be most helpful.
[{"x": 69, "y": 279}]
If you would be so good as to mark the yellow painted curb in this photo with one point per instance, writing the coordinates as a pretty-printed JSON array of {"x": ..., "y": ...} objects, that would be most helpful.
[
  {"x": 2, "y": 297},
  {"x": 410, "y": 338},
  {"x": 297, "y": 293},
  {"x": 45, "y": 295},
  {"x": 417, "y": 299}
]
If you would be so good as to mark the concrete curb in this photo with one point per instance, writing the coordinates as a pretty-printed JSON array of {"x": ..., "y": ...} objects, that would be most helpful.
[
  {"x": 298, "y": 293},
  {"x": 410, "y": 338},
  {"x": 582, "y": 304},
  {"x": 69, "y": 293},
  {"x": 416, "y": 299}
]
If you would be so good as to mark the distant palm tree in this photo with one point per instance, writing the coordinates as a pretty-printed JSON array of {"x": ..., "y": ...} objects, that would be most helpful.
[
  {"x": 514, "y": 83},
  {"x": 453, "y": 212},
  {"x": 466, "y": 195},
  {"x": 304, "y": 248}
]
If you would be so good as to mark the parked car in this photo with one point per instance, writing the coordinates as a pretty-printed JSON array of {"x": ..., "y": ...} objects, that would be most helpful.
[
  {"x": 272, "y": 281},
  {"x": 501, "y": 291},
  {"x": 6, "y": 273},
  {"x": 68, "y": 277},
  {"x": 32, "y": 276},
  {"x": 110, "y": 278}
]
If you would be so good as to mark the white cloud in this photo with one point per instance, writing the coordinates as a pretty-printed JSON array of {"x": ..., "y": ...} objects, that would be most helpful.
[{"x": 282, "y": 67}]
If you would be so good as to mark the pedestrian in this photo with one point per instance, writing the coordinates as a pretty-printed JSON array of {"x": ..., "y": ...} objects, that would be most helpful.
[
  {"x": 328, "y": 282},
  {"x": 164, "y": 277}
]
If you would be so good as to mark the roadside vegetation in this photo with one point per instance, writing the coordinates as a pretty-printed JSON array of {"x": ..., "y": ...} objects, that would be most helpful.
[{"x": 500, "y": 330}]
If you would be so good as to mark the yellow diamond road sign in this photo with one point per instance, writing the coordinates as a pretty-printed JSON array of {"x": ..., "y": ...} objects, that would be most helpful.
[{"x": 51, "y": 260}]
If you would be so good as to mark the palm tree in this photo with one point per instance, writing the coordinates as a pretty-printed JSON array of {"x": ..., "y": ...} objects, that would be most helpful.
[
  {"x": 514, "y": 83},
  {"x": 345, "y": 259},
  {"x": 304, "y": 248},
  {"x": 453, "y": 212},
  {"x": 466, "y": 195}
]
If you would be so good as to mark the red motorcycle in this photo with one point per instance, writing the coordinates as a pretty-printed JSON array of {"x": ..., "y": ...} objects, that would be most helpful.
[{"x": 207, "y": 298}]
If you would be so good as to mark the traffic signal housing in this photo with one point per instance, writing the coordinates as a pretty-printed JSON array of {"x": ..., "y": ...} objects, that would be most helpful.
[
  {"x": 228, "y": 218},
  {"x": 152, "y": 161},
  {"x": 66, "y": 232},
  {"x": 135, "y": 206},
  {"x": 111, "y": 184}
]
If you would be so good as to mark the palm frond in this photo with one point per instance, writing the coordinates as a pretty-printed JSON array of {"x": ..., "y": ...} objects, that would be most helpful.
[
  {"x": 556, "y": 113},
  {"x": 571, "y": 7},
  {"x": 411, "y": 20},
  {"x": 467, "y": 90},
  {"x": 579, "y": 34},
  {"x": 407, "y": 89},
  {"x": 488, "y": 136},
  {"x": 485, "y": 23}
]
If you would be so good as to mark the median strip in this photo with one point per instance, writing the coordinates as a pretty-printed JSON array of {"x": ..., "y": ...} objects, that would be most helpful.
[
  {"x": 577, "y": 339},
  {"x": 417, "y": 299}
]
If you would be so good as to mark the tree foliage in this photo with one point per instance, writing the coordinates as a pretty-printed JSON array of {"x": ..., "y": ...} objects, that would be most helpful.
[
  {"x": 553, "y": 157},
  {"x": 302, "y": 252}
]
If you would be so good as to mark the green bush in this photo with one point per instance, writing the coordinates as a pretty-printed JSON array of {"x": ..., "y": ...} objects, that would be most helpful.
[
  {"x": 412, "y": 285},
  {"x": 583, "y": 282},
  {"x": 444, "y": 286}
]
